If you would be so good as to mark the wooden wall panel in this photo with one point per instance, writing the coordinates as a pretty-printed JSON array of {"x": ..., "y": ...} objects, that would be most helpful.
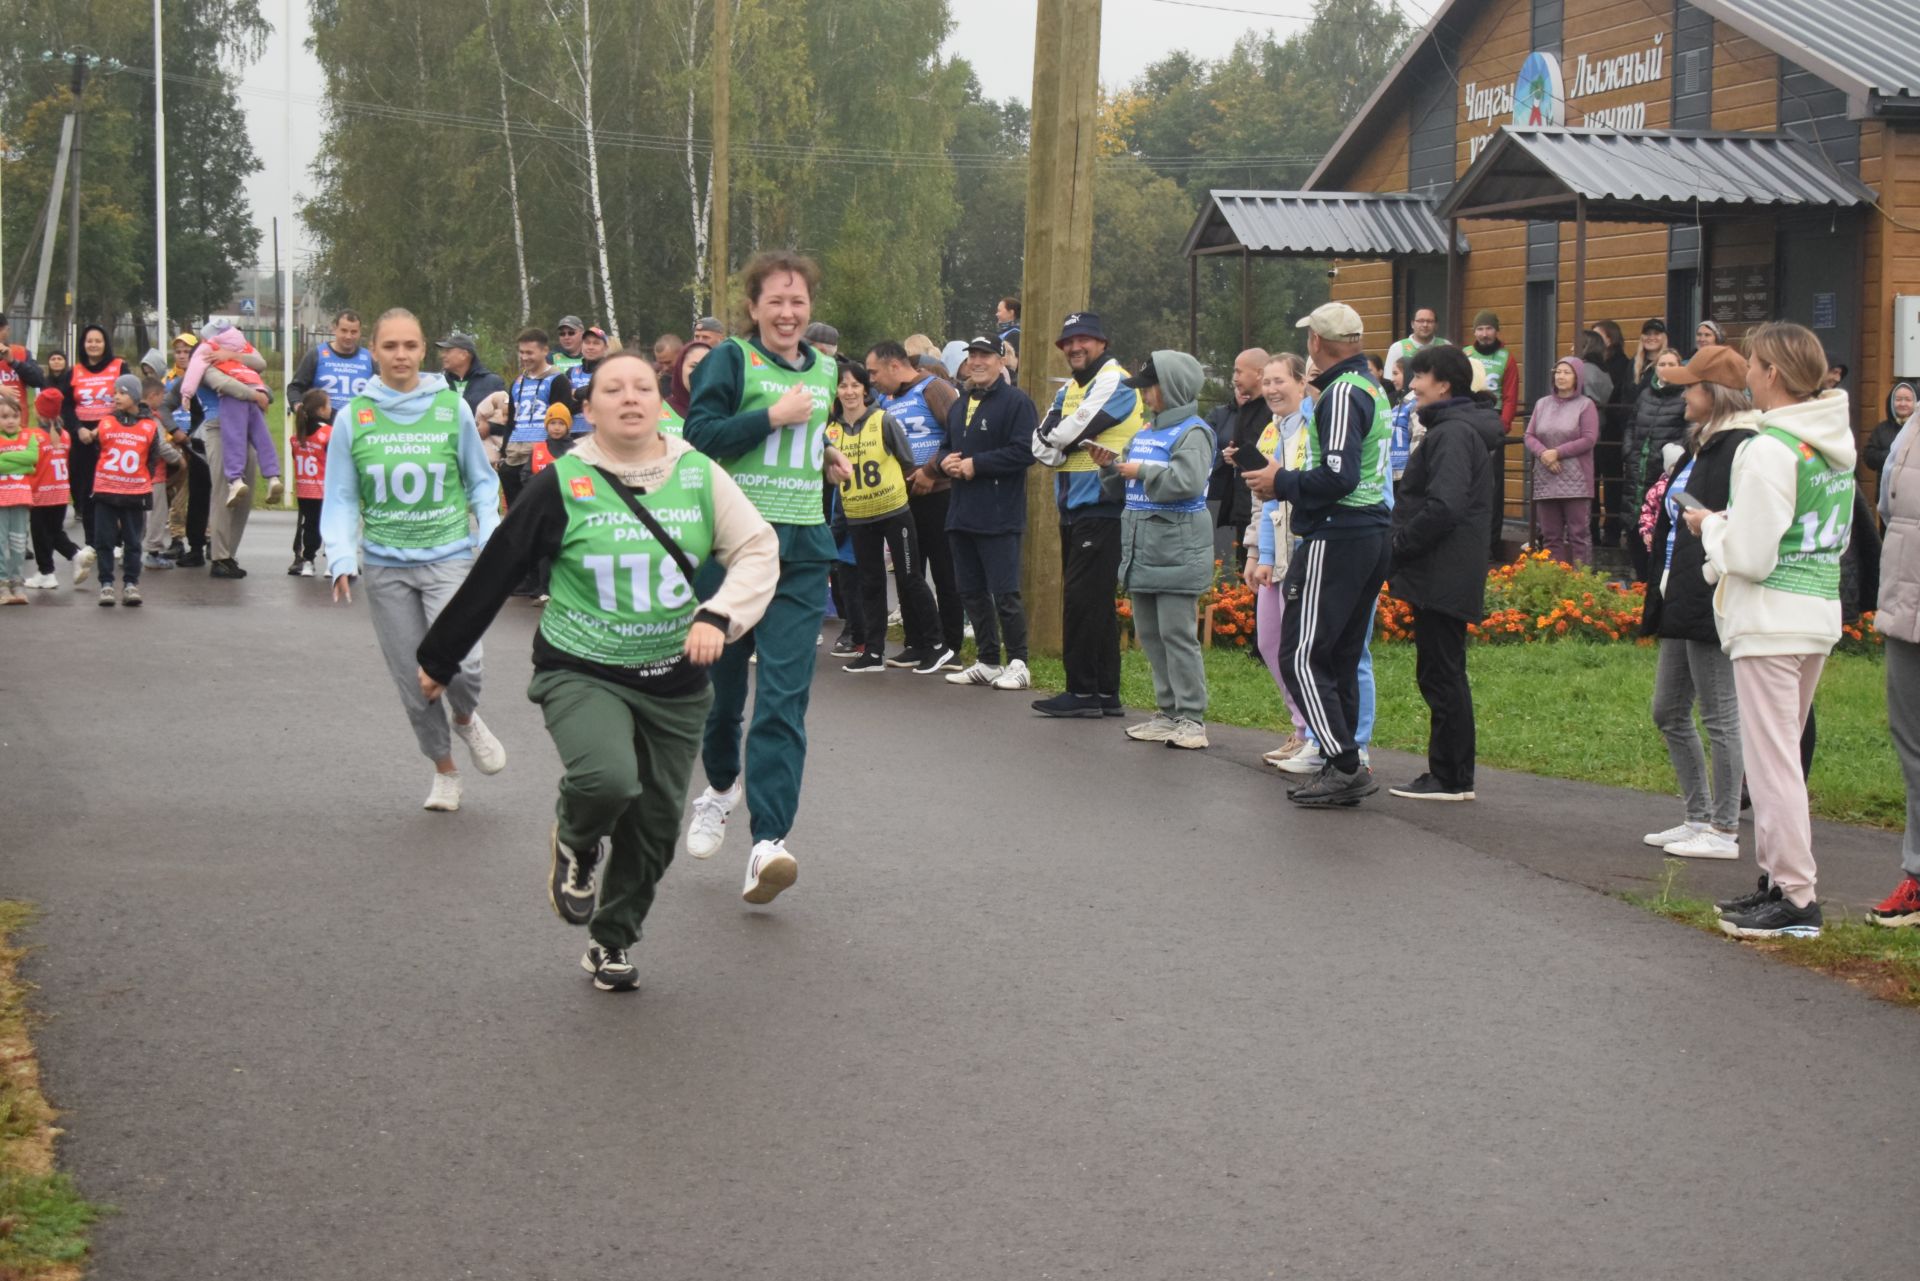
[
  {"x": 1367, "y": 287},
  {"x": 1491, "y": 56},
  {"x": 1746, "y": 83}
]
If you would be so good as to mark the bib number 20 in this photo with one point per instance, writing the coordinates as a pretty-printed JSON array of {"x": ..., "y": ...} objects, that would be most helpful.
[
  {"x": 673, "y": 589},
  {"x": 408, "y": 482}
]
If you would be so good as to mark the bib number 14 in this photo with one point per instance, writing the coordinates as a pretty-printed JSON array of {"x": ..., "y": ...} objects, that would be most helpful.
[{"x": 1816, "y": 537}]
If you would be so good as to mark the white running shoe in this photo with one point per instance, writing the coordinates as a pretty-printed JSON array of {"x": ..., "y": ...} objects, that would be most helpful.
[
  {"x": 1707, "y": 844},
  {"x": 236, "y": 490},
  {"x": 1305, "y": 761},
  {"x": 978, "y": 674},
  {"x": 1673, "y": 835},
  {"x": 1015, "y": 677},
  {"x": 445, "y": 796},
  {"x": 488, "y": 756},
  {"x": 1188, "y": 733},
  {"x": 43, "y": 582},
  {"x": 1286, "y": 751},
  {"x": 275, "y": 491},
  {"x": 83, "y": 565},
  {"x": 1159, "y": 729},
  {"x": 709, "y": 825},
  {"x": 770, "y": 869}
]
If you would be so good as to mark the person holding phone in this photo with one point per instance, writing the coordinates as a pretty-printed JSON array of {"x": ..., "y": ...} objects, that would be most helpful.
[{"x": 622, "y": 652}]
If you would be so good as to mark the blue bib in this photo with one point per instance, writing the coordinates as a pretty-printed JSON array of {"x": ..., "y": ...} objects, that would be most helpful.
[
  {"x": 1155, "y": 445},
  {"x": 1401, "y": 446},
  {"x": 915, "y": 415},
  {"x": 342, "y": 377},
  {"x": 579, "y": 376},
  {"x": 530, "y": 397}
]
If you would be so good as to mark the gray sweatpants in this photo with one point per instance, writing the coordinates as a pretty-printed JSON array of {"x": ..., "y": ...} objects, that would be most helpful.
[
  {"x": 1166, "y": 623},
  {"x": 1903, "y": 718},
  {"x": 1691, "y": 671},
  {"x": 404, "y": 601}
]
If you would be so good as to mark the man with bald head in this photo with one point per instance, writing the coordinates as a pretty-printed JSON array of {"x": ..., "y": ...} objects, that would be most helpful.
[{"x": 1236, "y": 429}]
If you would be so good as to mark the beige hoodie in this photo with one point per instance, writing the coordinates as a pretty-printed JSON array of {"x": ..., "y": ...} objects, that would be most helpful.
[
  {"x": 1743, "y": 542},
  {"x": 742, "y": 539}
]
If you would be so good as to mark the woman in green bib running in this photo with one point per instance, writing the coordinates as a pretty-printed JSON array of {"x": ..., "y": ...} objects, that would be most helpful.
[
  {"x": 621, "y": 656},
  {"x": 759, "y": 409},
  {"x": 405, "y": 470}
]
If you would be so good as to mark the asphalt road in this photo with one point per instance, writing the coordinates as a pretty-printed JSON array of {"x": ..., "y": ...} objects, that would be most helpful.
[{"x": 1045, "y": 1003}]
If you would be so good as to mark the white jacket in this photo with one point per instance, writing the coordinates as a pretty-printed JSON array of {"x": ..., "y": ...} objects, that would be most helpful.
[{"x": 1743, "y": 543}]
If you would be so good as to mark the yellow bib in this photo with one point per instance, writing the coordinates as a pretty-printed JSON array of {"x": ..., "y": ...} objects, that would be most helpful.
[
  {"x": 878, "y": 487},
  {"x": 1114, "y": 437}
]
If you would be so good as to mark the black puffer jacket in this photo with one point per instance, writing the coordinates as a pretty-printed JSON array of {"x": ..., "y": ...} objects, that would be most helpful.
[
  {"x": 1442, "y": 507},
  {"x": 1659, "y": 419},
  {"x": 1684, "y": 611}
]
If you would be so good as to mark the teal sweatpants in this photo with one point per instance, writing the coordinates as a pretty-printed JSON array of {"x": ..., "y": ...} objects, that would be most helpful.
[
  {"x": 776, "y": 741},
  {"x": 628, "y": 757}
]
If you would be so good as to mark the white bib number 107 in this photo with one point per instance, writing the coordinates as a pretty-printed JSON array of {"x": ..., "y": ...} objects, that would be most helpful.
[
  {"x": 409, "y": 481},
  {"x": 674, "y": 591}
]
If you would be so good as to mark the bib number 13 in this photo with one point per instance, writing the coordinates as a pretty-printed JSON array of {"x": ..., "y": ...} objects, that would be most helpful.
[{"x": 673, "y": 590}]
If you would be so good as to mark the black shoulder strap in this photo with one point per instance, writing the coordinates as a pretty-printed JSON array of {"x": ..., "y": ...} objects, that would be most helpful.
[{"x": 679, "y": 554}]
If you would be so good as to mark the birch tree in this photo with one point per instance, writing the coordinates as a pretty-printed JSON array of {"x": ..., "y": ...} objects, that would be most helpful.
[{"x": 513, "y": 172}]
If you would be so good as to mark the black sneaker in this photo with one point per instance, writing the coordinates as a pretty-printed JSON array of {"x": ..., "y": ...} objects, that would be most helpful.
[
  {"x": 1773, "y": 919},
  {"x": 845, "y": 646},
  {"x": 1110, "y": 705},
  {"x": 1331, "y": 788},
  {"x": 866, "y": 663},
  {"x": 227, "y": 568},
  {"x": 1069, "y": 705},
  {"x": 570, "y": 888},
  {"x": 932, "y": 661},
  {"x": 1429, "y": 788},
  {"x": 175, "y": 550},
  {"x": 611, "y": 970},
  {"x": 1747, "y": 902},
  {"x": 194, "y": 559},
  {"x": 909, "y": 657},
  {"x": 293, "y": 570}
]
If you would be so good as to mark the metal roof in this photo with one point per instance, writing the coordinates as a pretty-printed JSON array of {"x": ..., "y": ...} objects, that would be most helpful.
[
  {"x": 1646, "y": 176},
  {"x": 1316, "y": 224},
  {"x": 1865, "y": 47}
]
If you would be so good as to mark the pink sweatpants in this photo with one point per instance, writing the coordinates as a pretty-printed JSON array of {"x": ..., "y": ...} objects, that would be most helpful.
[
  {"x": 1775, "y": 693},
  {"x": 1269, "y": 608}
]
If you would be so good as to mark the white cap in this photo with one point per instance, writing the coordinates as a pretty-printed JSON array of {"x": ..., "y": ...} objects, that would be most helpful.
[{"x": 1334, "y": 321}]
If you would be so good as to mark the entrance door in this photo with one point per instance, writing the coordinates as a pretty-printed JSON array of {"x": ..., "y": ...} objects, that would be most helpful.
[{"x": 1818, "y": 260}]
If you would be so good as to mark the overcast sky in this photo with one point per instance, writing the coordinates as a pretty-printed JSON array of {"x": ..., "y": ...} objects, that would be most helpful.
[{"x": 996, "y": 36}]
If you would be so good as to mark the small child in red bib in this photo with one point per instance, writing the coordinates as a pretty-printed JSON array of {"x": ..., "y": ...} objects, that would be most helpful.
[
  {"x": 133, "y": 453},
  {"x": 312, "y": 429}
]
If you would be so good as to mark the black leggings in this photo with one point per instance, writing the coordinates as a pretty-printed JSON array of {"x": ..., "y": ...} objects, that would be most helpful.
[
  {"x": 306, "y": 533},
  {"x": 48, "y": 526}
]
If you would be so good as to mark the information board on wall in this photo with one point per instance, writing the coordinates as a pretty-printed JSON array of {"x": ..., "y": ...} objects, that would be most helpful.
[{"x": 1740, "y": 295}]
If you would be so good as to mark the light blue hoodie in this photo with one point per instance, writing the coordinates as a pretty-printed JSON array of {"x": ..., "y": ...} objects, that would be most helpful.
[{"x": 340, "y": 516}]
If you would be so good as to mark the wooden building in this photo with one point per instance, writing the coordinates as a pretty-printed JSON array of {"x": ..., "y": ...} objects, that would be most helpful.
[{"x": 1739, "y": 159}]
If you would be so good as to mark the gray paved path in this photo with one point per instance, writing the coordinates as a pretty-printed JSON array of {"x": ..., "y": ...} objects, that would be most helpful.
[{"x": 1045, "y": 1003}]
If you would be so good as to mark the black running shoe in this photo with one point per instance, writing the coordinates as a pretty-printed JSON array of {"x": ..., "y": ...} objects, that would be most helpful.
[
  {"x": 1773, "y": 919},
  {"x": 293, "y": 570},
  {"x": 1747, "y": 902},
  {"x": 611, "y": 969},
  {"x": 1110, "y": 705},
  {"x": 866, "y": 663},
  {"x": 845, "y": 646},
  {"x": 1069, "y": 705},
  {"x": 932, "y": 660},
  {"x": 1331, "y": 787},
  {"x": 194, "y": 559},
  {"x": 570, "y": 888},
  {"x": 227, "y": 568},
  {"x": 1429, "y": 788},
  {"x": 909, "y": 657}
]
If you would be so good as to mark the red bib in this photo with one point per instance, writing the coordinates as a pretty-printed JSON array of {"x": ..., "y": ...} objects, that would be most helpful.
[
  {"x": 124, "y": 452},
  {"x": 10, "y": 384},
  {"x": 93, "y": 393},
  {"x": 17, "y": 491},
  {"x": 50, "y": 486},
  {"x": 310, "y": 463},
  {"x": 542, "y": 457}
]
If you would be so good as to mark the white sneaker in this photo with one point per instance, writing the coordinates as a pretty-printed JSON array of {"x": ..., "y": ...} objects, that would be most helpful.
[
  {"x": 1016, "y": 676},
  {"x": 1673, "y": 835},
  {"x": 236, "y": 490},
  {"x": 1159, "y": 729},
  {"x": 1286, "y": 751},
  {"x": 43, "y": 582},
  {"x": 770, "y": 869},
  {"x": 1305, "y": 761},
  {"x": 709, "y": 825},
  {"x": 488, "y": 756},
  {"x": 978, "y": 674},
  {"x": 275, "y": 491},
  {"x": 1188, "y": 733},
  {"x": 306, "y": 569},
  {"x": 1707, "y": 844},
  {"x": 83, "y": 565},
  {"x": 445, "y": 796}
]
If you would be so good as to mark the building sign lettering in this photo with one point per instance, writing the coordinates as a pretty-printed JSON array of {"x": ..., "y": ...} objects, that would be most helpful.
[{"x": 1539, "y": 98}]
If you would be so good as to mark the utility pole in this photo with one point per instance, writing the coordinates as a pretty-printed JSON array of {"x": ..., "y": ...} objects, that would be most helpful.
[
  {"x": 160, "y": 178},
  {"x": 722, "y": 146},
  {"x": 73, "y": 216},
  {"x": 1058, "y": 274},
  {"x": 69, "y": 155}
]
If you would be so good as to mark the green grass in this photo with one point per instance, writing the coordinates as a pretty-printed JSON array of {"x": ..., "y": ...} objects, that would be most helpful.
[
  {"x": 44, "y": 1222},
  {"x": 1571, "y": 710},
  {"x": 1885, "y": 962}
]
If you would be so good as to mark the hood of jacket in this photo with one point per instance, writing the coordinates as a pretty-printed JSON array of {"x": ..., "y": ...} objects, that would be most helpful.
[
  {"x": 1180, "y": 382},
  {"x": 1893, "y": 391},
  {"x": 1475, "y": 413},
  {"x": 1821, "y": 423},
  {"x": 405, "y": 406},
  {"x": 1579, "y": 368},
  {"x": 106, "y": 351},
  {"x": 1744, "y": 420}
]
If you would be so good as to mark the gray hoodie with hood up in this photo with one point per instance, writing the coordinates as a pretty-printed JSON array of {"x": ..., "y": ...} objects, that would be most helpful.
[{"x": 1172, "y": 551}]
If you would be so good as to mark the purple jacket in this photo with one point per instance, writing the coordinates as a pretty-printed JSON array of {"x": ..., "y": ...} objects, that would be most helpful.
[{"x": 1570, "y": 425}]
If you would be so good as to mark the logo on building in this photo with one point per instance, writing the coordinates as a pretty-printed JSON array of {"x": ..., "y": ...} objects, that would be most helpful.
[{"x": 1539, "y": 95}]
